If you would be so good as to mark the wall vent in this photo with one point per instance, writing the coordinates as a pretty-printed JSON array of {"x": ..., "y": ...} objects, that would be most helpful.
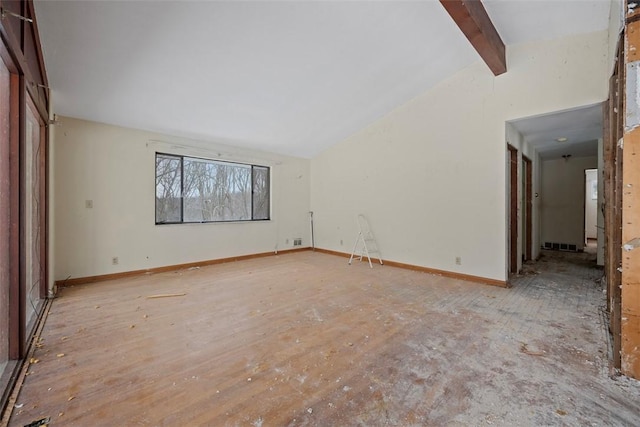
[
  {"x": 297, "y": 241},
  {"x": 560, "y": 246}
]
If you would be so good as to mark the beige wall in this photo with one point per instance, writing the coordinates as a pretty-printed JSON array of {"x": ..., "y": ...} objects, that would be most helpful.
[
  {"x": 431, "y": 175},
  {"x": 114, "y": 167},
  {"x": 562, "y": 193}
]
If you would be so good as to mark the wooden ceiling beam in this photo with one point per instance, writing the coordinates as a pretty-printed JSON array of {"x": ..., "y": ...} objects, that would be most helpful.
[{"x": 472, "y": 18}]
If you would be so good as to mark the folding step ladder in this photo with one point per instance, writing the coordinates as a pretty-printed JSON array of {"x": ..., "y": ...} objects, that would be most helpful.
[{"x": 365, "y": 244}]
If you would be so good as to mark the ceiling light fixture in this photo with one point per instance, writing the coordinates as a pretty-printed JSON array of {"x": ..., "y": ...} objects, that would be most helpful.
[{"x": 562, "y": 139}]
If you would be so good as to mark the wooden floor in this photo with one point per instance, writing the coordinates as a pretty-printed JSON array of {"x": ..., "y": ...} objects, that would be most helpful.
[{"x": 305, "y": 339}]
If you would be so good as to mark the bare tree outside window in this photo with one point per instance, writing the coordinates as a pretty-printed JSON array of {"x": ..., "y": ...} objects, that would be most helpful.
[
  {"x": 168, "y": 189},
  {"x": 209, "y": 190},
  {"x": 261, "y": 194}
]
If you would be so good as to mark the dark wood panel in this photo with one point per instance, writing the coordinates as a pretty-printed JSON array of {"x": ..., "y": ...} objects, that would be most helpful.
[
  {"x": 513, "y": 209},
  {"x": 12, "y": 25},
  {"x": 22, "y": 217},
  {"x": 23, "y": 44},
  {"x": 14, "y": 236},
  {"x": 5, "y": 208},
  {"x": 528, "y": 208},
  {"x": 612, "y": 160}
]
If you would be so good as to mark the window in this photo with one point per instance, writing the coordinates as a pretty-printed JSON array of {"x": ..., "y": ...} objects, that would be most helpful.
[{"x": 190, "y": 189}]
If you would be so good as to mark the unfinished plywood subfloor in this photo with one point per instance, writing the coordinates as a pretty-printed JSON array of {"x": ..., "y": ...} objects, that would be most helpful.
[{"x": 305, "y": 339}]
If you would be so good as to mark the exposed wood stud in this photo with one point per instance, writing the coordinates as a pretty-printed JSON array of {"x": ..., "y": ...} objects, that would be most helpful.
[{"x": 628, "y": 166}]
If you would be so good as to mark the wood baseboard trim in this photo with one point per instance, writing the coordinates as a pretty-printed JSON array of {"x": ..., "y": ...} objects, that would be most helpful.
[
  {"x": 445, "y": 273},
  {"x": 104, "y": 277}
]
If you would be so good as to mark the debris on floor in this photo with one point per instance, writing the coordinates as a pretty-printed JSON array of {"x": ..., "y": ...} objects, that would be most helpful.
[
  {"x": 394, "y": 347},
  {"x": 524, "y": 349},
  {"x": 42, "y": 422},
  {"x": 165, "y": 295}
]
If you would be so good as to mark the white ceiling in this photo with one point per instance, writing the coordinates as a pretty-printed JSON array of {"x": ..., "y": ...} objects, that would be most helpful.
[
  {"x": 286, "y": 77},
  {"x": 581, "y": 126}
]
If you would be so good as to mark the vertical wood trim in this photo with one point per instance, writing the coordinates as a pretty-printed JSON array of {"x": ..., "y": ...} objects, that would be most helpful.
[
  {"x": 528, "y": 176},
  {"x": 612, "y": 198},
  {"x": 513, "y": 209},
  {"x": 42, "y": 201},
  {"x": 14, "y": 232},
  {"x": 608, "y": 170},
  {"x": 41, "y": 193},
  {"x": 617, "y": 214},
  {"x": 45, "y": 203},
  {"x": 628, "y": 168},
  {"x": 604, "y": 175},
  {"x": 24, "y": 245}
]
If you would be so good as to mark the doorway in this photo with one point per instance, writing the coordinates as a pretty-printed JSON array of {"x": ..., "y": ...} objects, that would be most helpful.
[{"x": 591, "y": 210}]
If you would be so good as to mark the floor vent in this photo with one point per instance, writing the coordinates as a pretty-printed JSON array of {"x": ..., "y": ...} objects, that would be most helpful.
[{"x": 560, "y": 246}]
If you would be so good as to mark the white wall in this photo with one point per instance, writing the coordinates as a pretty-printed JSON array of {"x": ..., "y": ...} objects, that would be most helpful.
[
  {"x": 591, "y": 205},
  {"x": 114, "y": 167},
  {"x": 431, "y": 174},
  {"x": 562, "y": 193},
  {"x": 616, "y": 23}
]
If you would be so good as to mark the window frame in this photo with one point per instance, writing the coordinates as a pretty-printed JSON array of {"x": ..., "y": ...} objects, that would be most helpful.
[{"x": 181, "y": 158}]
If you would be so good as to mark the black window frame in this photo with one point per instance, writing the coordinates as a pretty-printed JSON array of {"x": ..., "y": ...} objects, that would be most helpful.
[{"x": 181, "y": 158}]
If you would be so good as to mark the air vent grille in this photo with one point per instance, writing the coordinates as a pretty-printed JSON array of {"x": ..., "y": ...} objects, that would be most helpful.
[{"x": 560, "y": 246}]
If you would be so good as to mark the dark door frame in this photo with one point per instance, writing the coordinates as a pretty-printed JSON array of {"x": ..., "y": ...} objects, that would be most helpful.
[
  {"x": 528, "y": 208},
  {"x": 513, "y": 209}
]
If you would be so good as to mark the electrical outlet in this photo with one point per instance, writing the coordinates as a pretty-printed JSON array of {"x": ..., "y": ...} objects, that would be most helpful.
[
  {"x": 297, "y": 241},
  {"x": 88, "y": 204},
  {"x": 458, "y": 260},
  {"x": 341, "y": 243},
  {"x": 286, "y": 241},
  {"x": 114, "y": 260}
]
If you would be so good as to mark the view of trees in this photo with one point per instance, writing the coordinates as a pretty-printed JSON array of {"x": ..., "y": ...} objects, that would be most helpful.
[
  {"x": 261, "y": 194},
  {"x": 198, "y": 190},
  {"x": 168, "y": 188}
]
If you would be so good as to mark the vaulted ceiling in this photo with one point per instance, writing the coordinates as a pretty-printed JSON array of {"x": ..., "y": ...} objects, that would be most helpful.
[{"x": 289, "y": 77}]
